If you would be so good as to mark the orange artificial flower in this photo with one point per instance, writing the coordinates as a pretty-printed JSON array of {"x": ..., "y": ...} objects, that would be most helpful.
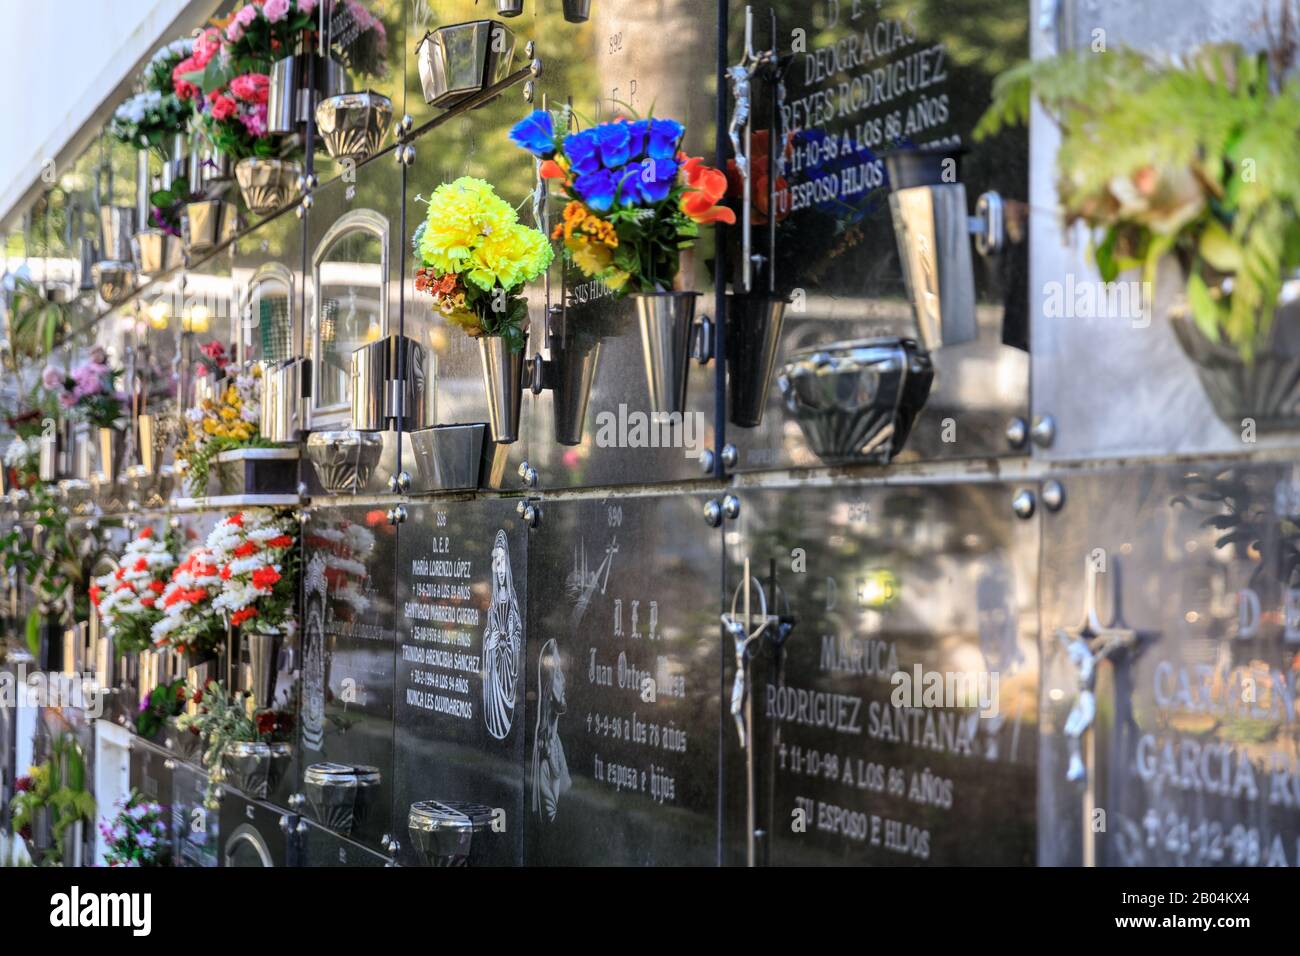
[
  {"x": 550, "y": 169},
  {"x": 705, "y": 186}
]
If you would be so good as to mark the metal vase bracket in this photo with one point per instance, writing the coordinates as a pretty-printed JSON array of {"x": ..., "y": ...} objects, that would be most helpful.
[
  {"x": 577, "y": 11},
  {"x": 503, "y": 383},
  {"x": 932, "y": 229},
  {"x": 573, "y": 365},
  {"x": 206, "y": 224},
  {"x": 155, "y": 252},
  {"x": 667, "y": 321},
  {"x": 254, "y": 768},
  {"x": 856, "y": 401},
  {"x": 267, "y": 184},
  {"x": 298, "y": 83},
  {"x": 112, "y": 447},
  {"x": 754, "y": 323},
  {"x": 462, "y": 59},
  {"x": 1266, "y": 391},
  {"x": 353, "y": 125}
]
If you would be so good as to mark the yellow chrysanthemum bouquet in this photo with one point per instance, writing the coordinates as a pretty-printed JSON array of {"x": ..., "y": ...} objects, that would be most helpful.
[
  {"x": 477, "y": 257},
  {"x": 229, "y": 420}
]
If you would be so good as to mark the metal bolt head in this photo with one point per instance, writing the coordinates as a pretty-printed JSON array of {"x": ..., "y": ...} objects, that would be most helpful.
[
  {"x": 1017, "y": 432},
  {"x": 530, "y": 90},
  {"x": 731, "y": 507},
  {"x": 730, "y": 456},
  {"x": 528, "y": 474},
  {"x": 1023, "y": 503},
  {"x": 529, "y": 49},
  {"x": 1044, "y": 431},
  {"x": 405, "y": 124},
  {"x": 713, "y": 513},
  {"x": 1053, "y": 495},
  {"x": 308, "y": 201},
  {"x": 299, "y": 211},
  {"x": 535, "y": 68},
  {"x": 706, "y": 461}
]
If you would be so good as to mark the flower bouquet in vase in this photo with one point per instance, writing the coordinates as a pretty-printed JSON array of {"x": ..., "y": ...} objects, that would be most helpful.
[
  {"x": 248, "y": 750},
  {"x": 137, "y": 834},
  {"x": 223, "y": 419},
  {"x": 635, "y": 201},
  {"x": 257, "y": 556},
  {"x": 128, "y": 599},
  {"x": 231, "y": 95},
  {"x": 189, "y": 623},
  {"x": 476, "y": 259},
  {"x": 87, "y": 394}
]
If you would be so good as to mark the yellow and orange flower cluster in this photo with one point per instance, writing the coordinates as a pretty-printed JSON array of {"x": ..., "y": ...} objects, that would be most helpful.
[{"x": 591, "y": 242}]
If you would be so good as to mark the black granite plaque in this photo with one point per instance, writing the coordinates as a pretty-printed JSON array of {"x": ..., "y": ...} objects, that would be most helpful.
[
  {"x": 1169, "y": 716},
  {"x": 852, "y": 764},
  {"x": 623, "y": 669},
  {"x": 461, "y": 621},
  {"x": 348, "y": 641}
]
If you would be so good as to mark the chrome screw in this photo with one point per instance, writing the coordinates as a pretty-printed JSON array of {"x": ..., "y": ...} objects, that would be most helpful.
[
  {"x": 1017, "y": 432},
  {"x": 1023, "y": 503},
  {"x": 1053, "y": 495}
]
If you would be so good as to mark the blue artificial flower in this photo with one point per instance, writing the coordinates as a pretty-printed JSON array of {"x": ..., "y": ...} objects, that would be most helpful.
[
  {"x": 648, "y": 181},
  {"x": 637, "y": 133},
  {"x": 613, "y": 139},
  {"x": 665, "y": 134},
  {"x": 583, "y": 152},
  {"x": 535, "y": 133},
  {"x": 596, "y": 189}
]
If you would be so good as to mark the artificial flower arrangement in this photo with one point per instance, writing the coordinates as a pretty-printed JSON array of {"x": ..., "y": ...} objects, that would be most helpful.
[
  {"x": 1161, "y": 156},
  {"x": 58, "y": 786},
  {"x": 128, "y": 598},
  {"x": 189, "y": 623},
  {"x": 635, "y": 200},
  {"x": 87, "y": 392},
  {"x": 219, "y": 720},
  {"x": 58, "y": 571},
  {"x": 150, "y": 118},
  {"x": 227, "y": 422},
  {"x": 476, "y": 258},
  {"x": 230, "y": 105},
  {"x": 164, "y": 702},
  {"x": 259, "y": 33},
  {"x": 345, "y": 545},
  {"x": 22, "y": 458},
  {"x": 257, "y": 560},
  {"x": 137, "y": 835}
]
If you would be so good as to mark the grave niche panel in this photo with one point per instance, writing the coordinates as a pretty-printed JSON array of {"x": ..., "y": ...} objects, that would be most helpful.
[
  {"x": 1169, "y": 612},
  {"x": 852, "y": 763},
  {"x": 348, "y": 645},
  {"x": 461, "y": 620},
  {"x": 623, "y": 675}
]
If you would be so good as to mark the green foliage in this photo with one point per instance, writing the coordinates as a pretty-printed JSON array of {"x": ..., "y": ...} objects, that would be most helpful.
[
  {"x": 165, "y": 700},
  {"x": 37, "y": 323},
  {"x": 55, "y": 563},
  {"x": 1198, "y": 159},
  {"x": 57, "y": 785},
  {"x": 201, "y": 458}
]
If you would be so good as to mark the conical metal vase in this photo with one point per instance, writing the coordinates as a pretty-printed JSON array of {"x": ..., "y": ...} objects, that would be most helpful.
[
  {"x": 667, "y": 321},
  {"x": 575, "y": 365},
  {"x": 503, "y": 382},
  {"x": 754, "y": 323}
]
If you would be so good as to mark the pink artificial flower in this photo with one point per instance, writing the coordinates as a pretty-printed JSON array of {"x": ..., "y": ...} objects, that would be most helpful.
[
  {"x": 235, "y": 31},
  {"x": 248, "y": 14},
  {"x": 223, "y": 107},
  {"x": 275, "y": 10},
  {"x": 52, "y": 377},
  {"x": 67, "y": 399},
  {"x": 254, "y": 121},
  {"x": 306, "y": 6},
  {"x": 208, "y": 43},
  {"x": 184, "y": 89},
  {"x": 251, "y": 87}
]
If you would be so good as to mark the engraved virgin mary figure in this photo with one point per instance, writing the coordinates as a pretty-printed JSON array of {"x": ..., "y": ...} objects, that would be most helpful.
[
  {"x": 502, "y": 641},
  {"x": 551, "y": 778},
  {"x": 313, "y": 678}
]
